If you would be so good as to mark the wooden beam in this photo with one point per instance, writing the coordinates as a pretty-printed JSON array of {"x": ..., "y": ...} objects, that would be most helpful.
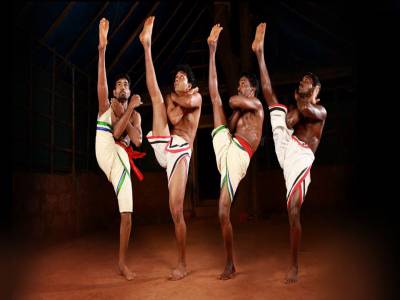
[
  {"x": 131, "y": 10},
  {"x": 58, "y": 20},
  {"x": 167, "y": 44},
  {"x": 86, "y": 30},
  {"x": 186, "y": 33},
  {"x": 157, "y": 35},
  {"x": 132, "y": 37}
]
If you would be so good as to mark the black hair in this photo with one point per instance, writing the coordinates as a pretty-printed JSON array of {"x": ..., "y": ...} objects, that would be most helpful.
[
  {"x": 314, "y": 78},
  {"x": 122, "y": 76},
  {"x": 253, "y": 81},
  {"x": 187, "y": 70}
]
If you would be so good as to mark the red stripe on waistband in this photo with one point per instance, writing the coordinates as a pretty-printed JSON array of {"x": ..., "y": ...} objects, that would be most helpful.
[
  {"x": 300, "y": 142},
  {"x": 277, "y": 105},
  {"x": 245, "y": 145}
]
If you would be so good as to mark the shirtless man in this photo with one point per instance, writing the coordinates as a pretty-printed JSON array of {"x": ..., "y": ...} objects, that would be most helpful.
[
  {"x": 296, "y": 134},
  {"x": 235, "y": 145},
  {"x": 173, "y": 146},
  {"x": 117, "y": 125}
]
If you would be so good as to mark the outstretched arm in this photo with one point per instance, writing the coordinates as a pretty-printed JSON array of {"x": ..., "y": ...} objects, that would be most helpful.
[
  {"x": 244, "y": 103},
  {"x": 212, "y": 70},
  {"x": 258, "y": 49},
  {"x": 121, "y": 125},
  {"x": 102, "y": 88},
  {"x": 151, "y": 79},
  {"x": 308, "y": 109},
  {"x": 134, "y": 128}
]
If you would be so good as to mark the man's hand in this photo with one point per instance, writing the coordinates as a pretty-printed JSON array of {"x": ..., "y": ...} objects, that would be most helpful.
[
  {"x": 212, "y": 40},
  {"x": 258, "y": 43},
  {"x": 193, "y": 90},
  {"x": 103, "y": 32},
  {"x": 135, "y": 101},
  {"x": 145, "y": 35},
  {"x": 117, "y": 108},
  {"x": 310, "y": 99}
]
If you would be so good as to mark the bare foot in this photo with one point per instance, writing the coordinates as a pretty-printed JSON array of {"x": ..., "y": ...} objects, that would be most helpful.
[
  {"x": 145, "y": 35},
  {"x": 214, "y": 34},
  {"x": 178, "y": 273},
  {"x": 291, "y": 276},
  {"x": 258, "y": 43},
  {"x": 228, "y": 273},
  {"x": 103, "y": 32},
  {"x": 124, "y": 271}
]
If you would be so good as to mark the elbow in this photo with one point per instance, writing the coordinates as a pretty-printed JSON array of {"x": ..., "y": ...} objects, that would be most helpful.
[
  {"x": 233, "y": 103},
  {"x": 116, "y": 134}
]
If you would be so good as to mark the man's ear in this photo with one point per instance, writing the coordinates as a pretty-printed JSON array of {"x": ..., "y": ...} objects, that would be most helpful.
[
  {"x": 114, "y": 93},
  {"x": 189, "y": 86}
]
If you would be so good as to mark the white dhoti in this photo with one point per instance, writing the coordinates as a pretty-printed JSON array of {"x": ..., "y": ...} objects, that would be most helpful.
[
  {"x": 295, "y": 157},
  {"x": 233, "y": 158},
  {"x": 169, "y": 151},
  {"x": 114, "y": 161}
]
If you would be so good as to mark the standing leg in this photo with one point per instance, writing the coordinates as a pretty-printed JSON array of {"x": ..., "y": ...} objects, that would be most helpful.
[
  {"x": 124, "y": 233},
  {"x": 177, "y": 187},
  {"x": 227, "y": 232},
  {"x": 295, "y": 236}
]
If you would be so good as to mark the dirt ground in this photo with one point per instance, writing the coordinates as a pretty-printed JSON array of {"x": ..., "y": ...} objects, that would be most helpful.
[{"x": 336, "y": 262}]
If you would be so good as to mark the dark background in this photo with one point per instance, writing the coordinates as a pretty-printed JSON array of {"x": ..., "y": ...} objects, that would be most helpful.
[{"x": 54, "y": 106}]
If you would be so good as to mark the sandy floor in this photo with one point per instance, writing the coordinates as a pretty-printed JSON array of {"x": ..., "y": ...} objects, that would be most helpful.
[{"x": 336, "y": 262}]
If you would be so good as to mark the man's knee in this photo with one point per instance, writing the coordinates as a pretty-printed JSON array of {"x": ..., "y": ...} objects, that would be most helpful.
[
  {"x": 126, "y": 218},
  {"x": 223, "y": 216},
  {"x": 177, "y": 214},
  {"x": 294, "y": 212}
]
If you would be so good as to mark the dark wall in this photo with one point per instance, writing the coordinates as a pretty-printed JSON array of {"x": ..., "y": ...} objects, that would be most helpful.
[{"x": 59, "y": 206}]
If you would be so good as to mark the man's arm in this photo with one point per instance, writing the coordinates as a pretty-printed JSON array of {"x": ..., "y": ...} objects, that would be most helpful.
[
  {"x": 192, "y": 99},
  {"x": 134, "y": 128},
  {"x": 233, "y": 120},
  {"x": 244, "y": 103},
  {"x": 102, "y": 88},
  {"x": 151, "y": 79},
  {"x": 293, "y": 117},
  {"x": 310, "y": 110},
  {"x": 212, "y": 41},
  {"x": 121, "y": 125},
  {"x": 258, "y": 49}
]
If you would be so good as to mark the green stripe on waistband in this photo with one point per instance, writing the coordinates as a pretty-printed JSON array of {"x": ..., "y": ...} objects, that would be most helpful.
[
  {"x": 216, "y": 130},
  {"x": 239, "y": 145},
  {"x": 105, "y": 124}
]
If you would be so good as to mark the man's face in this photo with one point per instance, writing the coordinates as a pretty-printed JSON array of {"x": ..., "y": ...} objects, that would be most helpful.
[
  {"x": 122, "y": 91},
  {"x": 244, "y": 88},
  {"x": 305, "y": 85},
  {"x": 181, "y": 83}
]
